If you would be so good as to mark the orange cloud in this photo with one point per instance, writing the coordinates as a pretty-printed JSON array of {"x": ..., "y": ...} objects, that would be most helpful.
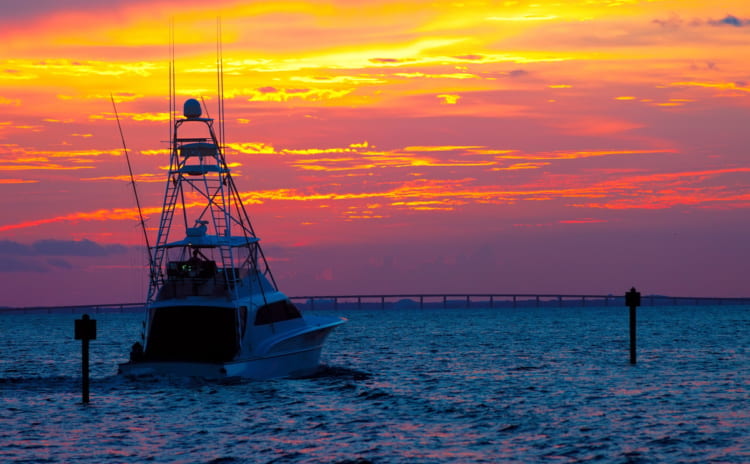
[
  {"x": 133, "y": 116},
  {"x": 667, "y": 190},
  {"x": 17, "y": 181},
  {"x": 43, "y": 167},
  {"x": 645, "y": 191},
  {"x": 126, "y": 178},
  {"x": 583, "y": 221},
  {"x": 439, "y": 70},
  {"x": 518, "y": 166},
  {"x": 428, "y": 194},
  {"x": 712, "y": 85},
  {"x": 8, "y": 101},
  {"x": 563, "y": 155},
  {"x": 99, "y": 215},
  {"x": 26, "y": 153},
  {"x": 272, "y": 94},
  {"x": 431, "y": 148}
]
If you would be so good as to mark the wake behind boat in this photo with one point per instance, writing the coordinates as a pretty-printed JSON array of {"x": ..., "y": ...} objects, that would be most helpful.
[{"x": 214, "y": 309}]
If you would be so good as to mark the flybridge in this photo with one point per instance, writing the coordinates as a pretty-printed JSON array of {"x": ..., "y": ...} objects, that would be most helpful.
[{"x": 198, "y": 167}]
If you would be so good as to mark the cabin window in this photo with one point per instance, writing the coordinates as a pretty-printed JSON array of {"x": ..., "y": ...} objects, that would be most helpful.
[{"x": 276, "y": 312}]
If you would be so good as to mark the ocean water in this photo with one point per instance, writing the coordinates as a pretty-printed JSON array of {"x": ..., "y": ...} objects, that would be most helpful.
[{"x": 401, "y": 386}]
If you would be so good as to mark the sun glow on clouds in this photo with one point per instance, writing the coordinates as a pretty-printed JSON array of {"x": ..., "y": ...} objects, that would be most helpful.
[
  {"x": 17, "y": 181},
  {"x": 134, "y": 116},
  {"x": 364, "y": 119},
  {"x": 449, "y": 99}
]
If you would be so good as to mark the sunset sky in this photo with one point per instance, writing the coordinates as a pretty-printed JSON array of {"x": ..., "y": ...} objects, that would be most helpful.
[{"x": 389, "y": 146}]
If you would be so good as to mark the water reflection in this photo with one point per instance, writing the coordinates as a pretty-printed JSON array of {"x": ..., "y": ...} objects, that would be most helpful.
[{"x": 411, "y": 386}]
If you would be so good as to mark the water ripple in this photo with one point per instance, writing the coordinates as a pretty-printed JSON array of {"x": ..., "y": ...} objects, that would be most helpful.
[{"x": 444, "y": 386}]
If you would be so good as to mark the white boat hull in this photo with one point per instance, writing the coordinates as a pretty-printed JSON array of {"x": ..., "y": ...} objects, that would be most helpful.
[
  {"x": 291, "y": 365},
  {"x": 282, "y": 359}
]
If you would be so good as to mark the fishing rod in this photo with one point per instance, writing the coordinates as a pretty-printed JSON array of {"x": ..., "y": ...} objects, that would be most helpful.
[{"x": 135, "y": 190}]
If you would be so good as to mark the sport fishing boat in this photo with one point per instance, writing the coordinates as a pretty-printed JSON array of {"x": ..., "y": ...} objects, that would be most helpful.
[{"x": 213, "y": 307}]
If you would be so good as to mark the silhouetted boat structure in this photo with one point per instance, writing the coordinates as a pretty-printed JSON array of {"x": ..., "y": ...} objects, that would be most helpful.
[
  {"x": 427, "y": 301},
  {"x": 213, "y": 308}
]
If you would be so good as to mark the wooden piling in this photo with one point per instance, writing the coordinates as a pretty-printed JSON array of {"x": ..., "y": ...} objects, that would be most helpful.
[
  {"x": 85, "y": 371},
  {"x": 85, "y": 330},
  {"x": 632, "y": 300}
]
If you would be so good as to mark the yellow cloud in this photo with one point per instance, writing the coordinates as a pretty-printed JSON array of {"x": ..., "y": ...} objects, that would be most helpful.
[{"x": 449, "y": 99}]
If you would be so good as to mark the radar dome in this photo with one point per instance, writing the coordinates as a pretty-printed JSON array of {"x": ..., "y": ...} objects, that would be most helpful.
[{"x": 192, "y": 108}]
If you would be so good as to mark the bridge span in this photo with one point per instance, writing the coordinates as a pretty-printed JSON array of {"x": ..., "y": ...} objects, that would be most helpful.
[{"x": 422, "y": 301}]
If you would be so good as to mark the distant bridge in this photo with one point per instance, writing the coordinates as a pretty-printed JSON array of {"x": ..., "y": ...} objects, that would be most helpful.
[
  {"x": 75, "y": 309},
  {"x": 498, "y": 300},
  {"x": 423, "y": 301}
]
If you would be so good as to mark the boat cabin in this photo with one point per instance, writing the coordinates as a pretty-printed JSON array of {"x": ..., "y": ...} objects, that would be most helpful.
[{"x": 194, "y": 277}]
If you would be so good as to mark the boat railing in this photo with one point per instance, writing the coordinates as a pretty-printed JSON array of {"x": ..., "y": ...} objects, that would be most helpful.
[
  {"x": 220, "y": 283},
  {"x": 193, "y": 286}
]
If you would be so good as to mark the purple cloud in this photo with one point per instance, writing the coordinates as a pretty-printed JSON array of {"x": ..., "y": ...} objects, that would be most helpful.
[{"x": 730, "y": 20}]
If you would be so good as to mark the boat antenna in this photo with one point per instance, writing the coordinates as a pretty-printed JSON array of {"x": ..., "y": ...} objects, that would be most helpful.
[
  {"x": 220, "y": 80},
  {"x": 132, "y": 181},
  {"x": 172, "y": 85}
]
